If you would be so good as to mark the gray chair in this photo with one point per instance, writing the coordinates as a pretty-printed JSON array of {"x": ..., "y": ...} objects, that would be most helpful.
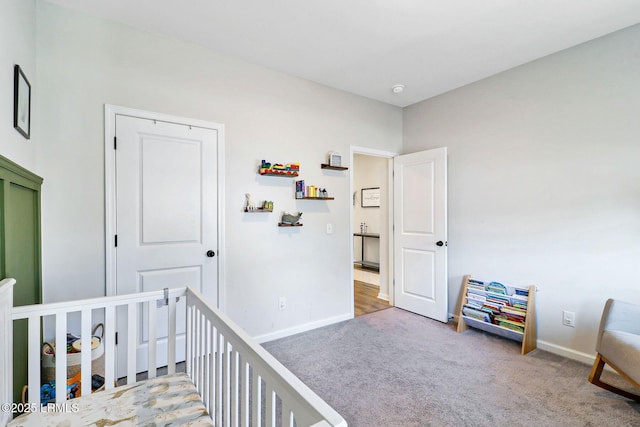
[{"x": 618, "y": 346}]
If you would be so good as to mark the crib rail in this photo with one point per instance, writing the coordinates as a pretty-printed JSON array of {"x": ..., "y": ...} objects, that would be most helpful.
[
  {"x": 240, "y": 383},
  {"x": 35, "y": 315}
]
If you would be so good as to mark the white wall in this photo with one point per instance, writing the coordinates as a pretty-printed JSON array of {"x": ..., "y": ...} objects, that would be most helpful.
[
  {"x": 85, "y": 62},
  {"x": 544, "y": 180},
  {"x": 17, "y": 46}
]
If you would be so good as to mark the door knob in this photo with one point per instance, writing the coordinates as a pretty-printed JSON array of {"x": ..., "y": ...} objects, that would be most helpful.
[
  {"x": 440, "y": 243},
  {"x": 210, "y": 253}
]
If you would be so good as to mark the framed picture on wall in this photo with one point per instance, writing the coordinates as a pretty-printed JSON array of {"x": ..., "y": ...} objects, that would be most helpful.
[
  {"x": 21, "y": 102},
  {"x": 370, "y": 197}
]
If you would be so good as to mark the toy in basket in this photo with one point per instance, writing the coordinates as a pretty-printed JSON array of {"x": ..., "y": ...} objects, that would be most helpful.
[{"x": 74, "y": 355}]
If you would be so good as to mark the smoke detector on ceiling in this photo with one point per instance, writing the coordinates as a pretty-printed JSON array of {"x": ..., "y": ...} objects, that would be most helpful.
[{"x": 397, "y": 89}]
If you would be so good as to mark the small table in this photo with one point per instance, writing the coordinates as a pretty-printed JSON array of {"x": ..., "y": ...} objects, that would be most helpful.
[{"x": 367, "y": 264}]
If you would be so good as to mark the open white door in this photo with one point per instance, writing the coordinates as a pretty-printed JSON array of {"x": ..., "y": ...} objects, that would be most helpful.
[{"x": 420, "y": 233}]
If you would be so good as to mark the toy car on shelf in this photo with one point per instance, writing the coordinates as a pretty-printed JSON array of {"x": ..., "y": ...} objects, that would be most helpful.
[{"x": 289, "y": 169}]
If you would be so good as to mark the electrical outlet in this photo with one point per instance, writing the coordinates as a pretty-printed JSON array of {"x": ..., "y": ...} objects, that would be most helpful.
[
  {"x": 569, "y": 318},
  {"x": 282, "y": 303},
  {"x": 329, "y": 228}
]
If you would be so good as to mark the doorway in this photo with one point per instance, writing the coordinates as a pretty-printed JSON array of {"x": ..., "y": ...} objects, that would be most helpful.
[
  {"x": 413, "y": 231},
  {"x": 370, "y": 219}
]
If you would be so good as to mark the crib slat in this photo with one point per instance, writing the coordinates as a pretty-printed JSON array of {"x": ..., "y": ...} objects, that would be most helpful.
[
  {"x": 194, "y": 345},
  {"x": 189, "y": 340},
  {"x": 85, "y": 355},
  {"x": 256, "y": 400},
  {"x": 109, "y": 346},
  {"x": 171, "y": 341},
  {"x": 34, "y": 351},
  {"x": 205, "y": 365},
  {"x": 286, "y": 415},
  {"x": 197, "y": 365},
  {"x": 152, "y": 335},
  {"x": 213, "y": 374},
  {"x": 203, "y": 351},
  {"x": 270, "y": 402},
  {"x": 246, "y": 384},
  {"x": 131, "y": 341},
  {"x": 203, "y": 340},
  {"x": 61, "y": 357},
  {"x": 234, "y": 387},
  {"x": 219, "y": 379},
  {"x": 227, "y": 382},
  {"x": 197, "y": 377}
]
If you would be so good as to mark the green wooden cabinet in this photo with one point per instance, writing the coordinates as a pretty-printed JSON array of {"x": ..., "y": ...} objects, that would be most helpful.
[{"x": 20, "y": 251}]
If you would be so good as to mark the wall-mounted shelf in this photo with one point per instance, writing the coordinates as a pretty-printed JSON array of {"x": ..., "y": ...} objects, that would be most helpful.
[
  {"x": 335, "y": 168},
  {"x": 285, "y": 174},
  {"x": 282, "y": 224},
  {"x": 258, "y": 210},
  {"x": 315, "y": 198}
]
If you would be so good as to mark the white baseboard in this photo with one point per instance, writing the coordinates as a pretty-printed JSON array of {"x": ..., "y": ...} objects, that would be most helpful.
[
  {"x": 559, "y": 350},
  {"x": 566, "y": 352},
  {"x": 384, "y": 297},
  {"x": 301, "y": 328}
]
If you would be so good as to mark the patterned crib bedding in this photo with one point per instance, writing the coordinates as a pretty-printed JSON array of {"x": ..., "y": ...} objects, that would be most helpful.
[{"x": 168, "y": 401}]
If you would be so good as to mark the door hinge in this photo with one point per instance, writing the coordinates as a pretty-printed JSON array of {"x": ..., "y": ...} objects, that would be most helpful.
[
  {"x": 116, "y": 338},
  {"x": 115, "y": 142},
  {"x": 116, "y": 240}
]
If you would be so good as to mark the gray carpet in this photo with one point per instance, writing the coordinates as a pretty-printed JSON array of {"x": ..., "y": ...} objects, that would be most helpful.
[{"x": 394, "y": 368}]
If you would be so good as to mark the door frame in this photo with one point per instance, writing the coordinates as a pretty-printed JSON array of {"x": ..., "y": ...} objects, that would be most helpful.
[
  {"x": 110, "y": 113},
  {"x": 389, "y": 155}
]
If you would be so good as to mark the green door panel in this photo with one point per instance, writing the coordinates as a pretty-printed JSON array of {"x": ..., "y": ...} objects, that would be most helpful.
[{"x": 20, "y": 251}]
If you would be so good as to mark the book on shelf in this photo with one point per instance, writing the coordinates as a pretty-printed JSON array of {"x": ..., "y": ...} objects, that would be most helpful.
[
  {"x": 520, "y": 305},
  {"x": 499, "y": 300},
  {"x": 492, "y": 306},
  {"x": 474, "y": 304},
  {"x": 476, "y": 298},
  {"x": 509, "y": 324},
  {"x": 514, "y": 311},
  {"x": 476, "y": 314},
  {"x": 497, "y": 288},
  {"x": 301, "y": 189},
  {"x": 477, "y": 292}
]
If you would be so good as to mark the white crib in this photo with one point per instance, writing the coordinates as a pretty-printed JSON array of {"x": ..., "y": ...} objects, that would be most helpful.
[{"x": 239, "y": 383}]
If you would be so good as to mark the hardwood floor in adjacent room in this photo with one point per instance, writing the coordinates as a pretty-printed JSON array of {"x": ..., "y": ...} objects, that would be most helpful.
[{"x": 366, "y": 299}]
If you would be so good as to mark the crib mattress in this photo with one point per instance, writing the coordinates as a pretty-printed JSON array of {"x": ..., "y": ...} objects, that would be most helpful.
[{"x": 170, "y": 400}]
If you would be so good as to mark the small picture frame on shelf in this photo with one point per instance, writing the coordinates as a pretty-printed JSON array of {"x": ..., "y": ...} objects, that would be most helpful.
[
  {"x": 335, "y": 159},
  {"x": 370, "y": 197}
]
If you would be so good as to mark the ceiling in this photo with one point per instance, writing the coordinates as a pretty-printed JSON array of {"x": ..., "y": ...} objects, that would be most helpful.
[{"x": 367, "y": 46}]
